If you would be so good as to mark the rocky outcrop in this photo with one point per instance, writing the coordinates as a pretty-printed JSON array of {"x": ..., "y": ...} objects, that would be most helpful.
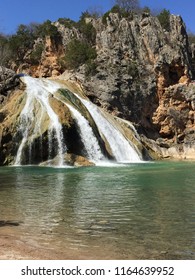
[
  {"x": 8, "y": 81},
  {"x": 9, "y": 124},
  {"x": 143, "y": 75},
  {"x": 136, "y": 61},
  {"x": 69, "y": 160}
]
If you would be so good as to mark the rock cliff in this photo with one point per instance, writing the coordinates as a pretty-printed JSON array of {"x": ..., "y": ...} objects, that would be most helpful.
[{"x": 143, "y": 74}]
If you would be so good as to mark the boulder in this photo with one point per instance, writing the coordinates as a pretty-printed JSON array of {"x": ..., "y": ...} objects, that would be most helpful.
[{"x": 8, "y": 80}]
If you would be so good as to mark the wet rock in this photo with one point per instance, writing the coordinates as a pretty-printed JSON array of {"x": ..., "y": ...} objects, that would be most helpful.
[
  {"x": 9, "y": 223},
  {"x": 70, "y": 160}
]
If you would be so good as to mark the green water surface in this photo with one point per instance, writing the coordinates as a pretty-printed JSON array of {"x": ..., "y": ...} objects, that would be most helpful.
[{"x": 144, "y": 210}]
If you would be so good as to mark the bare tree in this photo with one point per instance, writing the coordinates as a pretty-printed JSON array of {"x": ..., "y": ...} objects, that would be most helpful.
[
  {"x": 128, "y": 5},
  {"x": 95, "y": 11}
]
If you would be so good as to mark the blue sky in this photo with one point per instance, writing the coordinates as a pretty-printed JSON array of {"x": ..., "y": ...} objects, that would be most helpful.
[{"x": 13, "y": 13}]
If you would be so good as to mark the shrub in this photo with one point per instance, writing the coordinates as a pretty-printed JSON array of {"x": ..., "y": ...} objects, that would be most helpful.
[
  {"x": 36, "y": 54},
  {"x": 164, "y": 19},
  {"x": 48, "y": 29},
  {"x": 90, "y": 68},
  {"x": 104, "y": 17},
  {"x": 78, "y": 53},
  {"x": 67, "y": 22},
  {"x": 88, "y": 32},
  {"x": 132, "y": 70},
  {"x": 22, "y": 41},
  {"x": 5, "y": 53},
  {"x": 87, "y": 29},
  {"x": 146, "y": 10},
  {"x": 123, "y": 13}
]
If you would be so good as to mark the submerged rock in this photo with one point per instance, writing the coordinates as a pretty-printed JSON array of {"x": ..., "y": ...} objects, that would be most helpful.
[{"x": 70, "y": 160}]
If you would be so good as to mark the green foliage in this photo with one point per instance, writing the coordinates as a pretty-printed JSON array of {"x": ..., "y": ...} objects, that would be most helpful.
[
  {"x": 132, "y": 70},
  {"x": 85, "y": 15},
  {"x": 3, "y": 39},
  {"x": 62, "y": 63},
  {"x": 88, "y": 31},
  {"x": 123, "y": 13},
  {"x": 48, "y": 29},
  {"x": 104, "y": 17},
  {"x": 90, "y": 68},
  {"x": 67, "y": 22},
  {"x": 23, "y": 40},
  {"x": 164, "y": 19},
  {"x": 36, "y": 54},
  {"x": 5, "y": 53},
  {"x": 146, "y": 10},
  {"x": 78, "y": 53}
]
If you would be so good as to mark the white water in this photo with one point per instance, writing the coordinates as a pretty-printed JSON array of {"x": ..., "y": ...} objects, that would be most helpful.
[
  {"x": 38, "y": 93},
  {"x": 87, "y": 136},
  {"x": 121, "y": 148}
]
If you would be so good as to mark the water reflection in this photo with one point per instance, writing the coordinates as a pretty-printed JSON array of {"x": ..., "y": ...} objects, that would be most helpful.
[{"x": 144, "y": 210}]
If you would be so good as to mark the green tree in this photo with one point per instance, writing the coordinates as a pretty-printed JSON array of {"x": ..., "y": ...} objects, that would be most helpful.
[
  {"x": 164, "y": 19},
  {"x": 36, "y": 54},
  {"x": 67, "y": 22},
  {"x": 78, "y": 53},
  {"x": 22, "y": 41},
  {"x": 48, "y": 29},
  {"x": 5, "y": 52}
]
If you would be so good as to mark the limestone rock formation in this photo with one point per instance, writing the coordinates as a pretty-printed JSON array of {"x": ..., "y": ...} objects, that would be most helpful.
[
  {"x": 8, "y": 81},
  {"x": 143, "y": 74}
]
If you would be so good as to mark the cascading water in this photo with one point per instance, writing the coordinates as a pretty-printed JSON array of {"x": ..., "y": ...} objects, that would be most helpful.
[
  {"x": 37, "y": 106},
  {"x": 87, "y": 136},
  {"x": 38, "y": 93},
  {"x": 121, "y": 148}
]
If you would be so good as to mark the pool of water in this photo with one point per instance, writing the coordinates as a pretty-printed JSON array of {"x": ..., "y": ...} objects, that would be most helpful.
[{"x": 144, "y": 210}]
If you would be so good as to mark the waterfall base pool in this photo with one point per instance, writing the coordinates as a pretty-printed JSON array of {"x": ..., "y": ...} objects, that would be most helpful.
[{"x": 137, "y": 211}]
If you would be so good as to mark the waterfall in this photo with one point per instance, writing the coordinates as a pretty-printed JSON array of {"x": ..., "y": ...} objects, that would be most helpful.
[
  {"x": 38, "y": 93},
  {"x": 37, "y": 107},
  {"x": 87, "y": 136},
  {"x": 122, "y": 149}
]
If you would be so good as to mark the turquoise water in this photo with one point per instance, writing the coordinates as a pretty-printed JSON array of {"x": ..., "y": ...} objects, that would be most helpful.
[{"x": 144, "y": 210}]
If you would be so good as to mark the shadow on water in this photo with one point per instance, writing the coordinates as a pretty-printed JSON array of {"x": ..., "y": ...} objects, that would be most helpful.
[{"x": 8, "y": 223}]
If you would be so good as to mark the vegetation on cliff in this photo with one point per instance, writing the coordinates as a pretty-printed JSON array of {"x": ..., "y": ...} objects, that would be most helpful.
[{"x": 128, "y": 60}]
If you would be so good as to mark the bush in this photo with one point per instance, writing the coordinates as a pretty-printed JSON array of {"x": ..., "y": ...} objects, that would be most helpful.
[
  {"x": 48, "y": 29},
  {"x": 87, "y": 29},
  {"x": 90, "y": 68},
  {"x": 88, "y": 32},
  {"x": 146, "y": 10},
  {"x": 164, "y": 19},
  {"x": 132, "y": 70},
  {"x": 22, "y": 41},
  {"x": 78, "y": 53},
  {"x": 104, "y": 17},
  {"x": 5, "y": 53},
  {"x": 67, "y": 22},
  {"x": 123, "y": 13},
  {"x": 36, "y": 54}
]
